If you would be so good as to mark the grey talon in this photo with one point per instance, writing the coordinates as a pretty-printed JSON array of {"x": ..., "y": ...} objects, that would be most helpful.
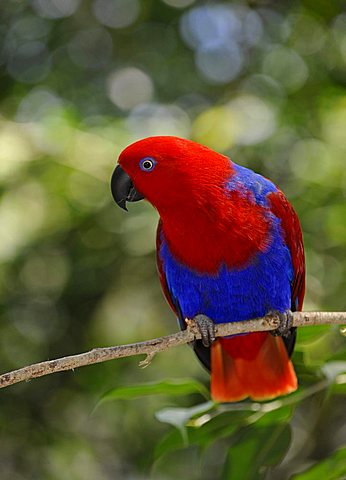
[
  {"x": 206, "y": 328},
  {"x": 286, "y": 323}
]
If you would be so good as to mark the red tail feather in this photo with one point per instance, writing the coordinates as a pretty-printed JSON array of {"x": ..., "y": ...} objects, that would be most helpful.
[{"x": 254, "y": 365}]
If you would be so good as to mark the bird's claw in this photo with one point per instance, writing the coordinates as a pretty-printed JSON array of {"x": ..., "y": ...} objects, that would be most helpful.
[
  {"x": 286, "y": 323},
  {"x": 204, "y": 326}
]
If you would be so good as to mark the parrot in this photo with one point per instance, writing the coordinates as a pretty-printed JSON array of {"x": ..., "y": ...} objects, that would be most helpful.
[{"x": 229, "y": 248}]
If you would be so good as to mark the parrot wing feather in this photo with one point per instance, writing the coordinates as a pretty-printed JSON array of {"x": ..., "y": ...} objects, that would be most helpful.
[
  {"x": 290, "y": 225},
  {"x": 202, "y": 352},
  {"x": 174, "y": 304}
]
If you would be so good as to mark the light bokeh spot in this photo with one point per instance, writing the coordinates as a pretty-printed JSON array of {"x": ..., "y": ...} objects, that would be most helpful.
[
  {"x": 158, "y": 119},
  {"x": 15, "y": 149},
  {"x": 287, "y": 67},
  {"x": 55, "y": 8},
  {"x": 334, "y": 124},
  {"x": 210, "y": 25},
  {"x": 37, "y": 105},
  {"x": 215, "y": 128},
  {"x": 116, "y": 13},
  {"x": 179, "y": 3},
  {"x": 219, "y": 64},
  {"x": 255, "y": 119},
  {"x": 311, "y": 160},
  {"x": 129, "y": 87},
  {"x": 22, "y": 213},
  {"x": 307, "y": 35}
]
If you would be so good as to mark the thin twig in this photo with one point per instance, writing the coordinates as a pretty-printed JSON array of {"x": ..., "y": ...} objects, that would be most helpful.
[{"x": 151, "y": 347}]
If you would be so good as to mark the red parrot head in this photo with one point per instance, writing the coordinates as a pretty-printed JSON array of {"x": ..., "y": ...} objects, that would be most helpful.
[{"x": 168, "y": 172}]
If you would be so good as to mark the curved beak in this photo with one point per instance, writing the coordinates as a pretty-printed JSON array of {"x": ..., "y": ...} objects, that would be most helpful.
[{"x": 122, "y": 188}]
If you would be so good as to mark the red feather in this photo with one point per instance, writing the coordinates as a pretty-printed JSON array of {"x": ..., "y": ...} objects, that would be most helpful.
[
  {"x": 235, "y": 377},
  {"x": 293, "y": 237}
]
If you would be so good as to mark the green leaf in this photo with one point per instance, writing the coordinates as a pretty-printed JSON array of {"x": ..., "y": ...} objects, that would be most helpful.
[
  {"x": 256, "y": 450},
  {"x": 279, "y": 415},
  {"x": 174, "y": 440},
  {"x": 206, "y": 423},
  {"x": 173, "y": 387},
  {"x": 339, "y": 387},
  {"x": 220, "y": 426},
  {"x": 333, "y": 468},
  {"x": 178, "y": 417}
]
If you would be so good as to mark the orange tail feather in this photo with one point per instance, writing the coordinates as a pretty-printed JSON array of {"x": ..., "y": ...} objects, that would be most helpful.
[{"x": 254, "y": 365}]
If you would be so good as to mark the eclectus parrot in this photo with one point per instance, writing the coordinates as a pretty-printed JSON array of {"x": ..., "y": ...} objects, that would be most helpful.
[{"x": 229, "y": 248}]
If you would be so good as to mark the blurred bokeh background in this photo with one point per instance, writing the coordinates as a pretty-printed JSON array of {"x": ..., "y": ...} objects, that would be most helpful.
[{"x": 262, "y": 81}]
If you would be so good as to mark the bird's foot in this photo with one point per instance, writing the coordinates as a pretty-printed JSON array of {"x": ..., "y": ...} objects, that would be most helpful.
[
  {"x": 203, "y": 325},
  {"x": 286, "y": 323}
]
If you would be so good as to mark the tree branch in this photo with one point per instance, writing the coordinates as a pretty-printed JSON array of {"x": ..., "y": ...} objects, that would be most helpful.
[{"x": 151, "y": 347}]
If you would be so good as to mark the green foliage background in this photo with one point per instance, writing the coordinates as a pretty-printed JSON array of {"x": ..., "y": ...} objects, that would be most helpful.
[{"x": 262, "y": 81}]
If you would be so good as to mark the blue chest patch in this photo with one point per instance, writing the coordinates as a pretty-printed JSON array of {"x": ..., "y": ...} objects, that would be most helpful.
[{"x": 232, "y": 294}]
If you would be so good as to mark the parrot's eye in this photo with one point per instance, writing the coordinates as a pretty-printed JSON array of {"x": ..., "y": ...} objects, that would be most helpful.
[{"x": 147, "y": 164}]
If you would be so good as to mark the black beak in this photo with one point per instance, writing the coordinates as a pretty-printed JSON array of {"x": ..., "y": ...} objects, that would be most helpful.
[{"x": 122, "y": 188}]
